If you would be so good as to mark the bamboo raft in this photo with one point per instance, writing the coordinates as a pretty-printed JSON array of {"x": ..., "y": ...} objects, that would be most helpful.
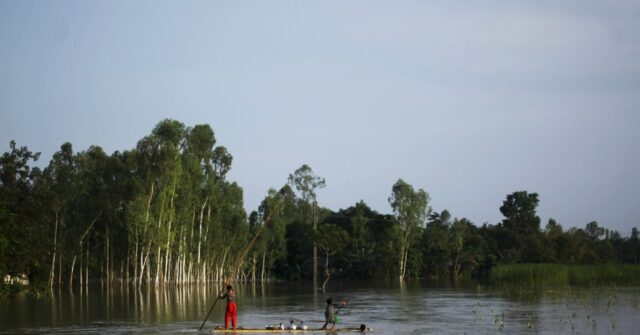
[{"x": 218, "y": 330}]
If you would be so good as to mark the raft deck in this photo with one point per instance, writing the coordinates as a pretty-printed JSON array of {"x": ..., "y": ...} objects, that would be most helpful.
[{"x": 219, "y": 330}]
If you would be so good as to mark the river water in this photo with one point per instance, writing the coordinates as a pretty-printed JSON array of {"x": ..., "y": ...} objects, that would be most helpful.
[{"x": 389, "y": 308}]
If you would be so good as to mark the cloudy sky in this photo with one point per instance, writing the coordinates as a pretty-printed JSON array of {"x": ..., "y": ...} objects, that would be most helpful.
[{"x": 469, "y": 101}]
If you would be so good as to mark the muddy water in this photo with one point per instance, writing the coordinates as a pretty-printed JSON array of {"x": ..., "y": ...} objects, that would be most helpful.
[{"x": 414, "y": 308}]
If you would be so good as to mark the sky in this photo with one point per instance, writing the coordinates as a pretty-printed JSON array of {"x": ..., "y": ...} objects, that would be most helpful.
[{"x": 469, "y": 101}]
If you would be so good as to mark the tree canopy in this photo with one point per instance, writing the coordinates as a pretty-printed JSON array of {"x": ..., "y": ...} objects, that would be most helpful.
[{"x": 164, "y": 212}]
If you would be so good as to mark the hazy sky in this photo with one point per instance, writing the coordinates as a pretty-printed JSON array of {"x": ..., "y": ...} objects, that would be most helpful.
[{"x": 468, "y": 101}]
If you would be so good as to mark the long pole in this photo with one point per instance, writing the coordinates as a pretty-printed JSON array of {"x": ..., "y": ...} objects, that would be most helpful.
[
  {"x": 276, "y": 208},
  {"x": 214, "y": 305},
  {"x": 342, "y": 305}
]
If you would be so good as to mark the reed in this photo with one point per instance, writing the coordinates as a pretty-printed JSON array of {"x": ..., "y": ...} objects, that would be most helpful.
[{"x": 561, "y": 275}]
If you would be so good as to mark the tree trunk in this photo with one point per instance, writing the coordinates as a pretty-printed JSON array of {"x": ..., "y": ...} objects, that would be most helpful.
[
  {"x": 73, "y": 263},
  {"x": 60, "y": 269},
  {"x": 107, "y": 265},
  {"x": 148, "y": 269},
  {"x": 81, "y": 276},
  {"x": 262, "y": 272},
  {"x": 401, "y": 272},
  {"x": 86, "y": 271},
  {"x": 135, "y": 263},
  {"x": 158, "y": 266},
  {"x": 326, "y": 270},
  {"x": 52, "y": 274},
  {"x": 125, "y": 275},
  {"x": 60, "y": 257},
  {"x": 253, "y": 269},
  {"x": 170, "y": 215},
  {"x": 204, "y": 204},
  {"x": 315, "y": 247}
]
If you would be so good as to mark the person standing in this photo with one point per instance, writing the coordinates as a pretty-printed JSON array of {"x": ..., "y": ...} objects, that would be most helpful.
[
  {"x": 230, "y": 312},
  {"x": 330, "y": 315}
]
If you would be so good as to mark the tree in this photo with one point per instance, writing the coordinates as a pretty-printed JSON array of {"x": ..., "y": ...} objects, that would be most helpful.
[
  {"x": 22, "y": 229},
  {"x": 435, "y": 244},
  {"x": 307, "y": 183},
  {"x": 634, "y": 246},
  {"x": 410, "y": 210},
  {"x": 467, "y": 247},
  {"x": 523, "y": 225},
  {"x": 222, "y": 161},
  {"x": 330, "y": 239},
  {"x": 593, "y": 231}
]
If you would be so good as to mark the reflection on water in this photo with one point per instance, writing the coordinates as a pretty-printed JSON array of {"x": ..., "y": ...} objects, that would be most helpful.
[{"x": 414, "y": 308}]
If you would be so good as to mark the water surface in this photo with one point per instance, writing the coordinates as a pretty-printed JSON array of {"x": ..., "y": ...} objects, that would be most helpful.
[{"x": 414, "y": 308}]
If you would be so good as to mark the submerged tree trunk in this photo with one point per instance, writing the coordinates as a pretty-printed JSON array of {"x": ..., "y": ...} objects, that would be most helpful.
[
  {"x": 327, "y": 274},
  {"x": 60, "y": 256},
  {"x": 73, "y": 263},
  {"x": 204, "y": 204},
  {"x": 86, "y": 271},
  {"x": 315, "y": 248},
  {"x": 262, "y": 272},
  {"x": 107, "y": 265},
  {"x": 81, "y": 268},
  {"x": 55, "y": 249},
  {"x": 401, "y": 272},
  {"x": 60, "y": 269}
]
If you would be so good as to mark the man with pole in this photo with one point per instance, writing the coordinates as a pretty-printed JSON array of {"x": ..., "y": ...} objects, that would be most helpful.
[{"x": 230, "y": 312}]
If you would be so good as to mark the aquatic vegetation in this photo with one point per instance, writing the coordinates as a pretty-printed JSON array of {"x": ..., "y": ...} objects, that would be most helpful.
[
  {"x": 477, "y": 312},
  {"x": 554, "y": 275},
  {"x": 499, "y": 320},
  {"x": 532, "y": 319}
]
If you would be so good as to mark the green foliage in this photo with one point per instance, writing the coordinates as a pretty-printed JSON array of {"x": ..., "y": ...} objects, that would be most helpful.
[
  {"x": 299, "y": 250},
  {"x": 306, "y": 183},
  {"x": 522, "y": 228},
  {"x": 331, "y": 238},
  {"x": 165, "y": 212},
  {"x": 21, "y": 227},
  {"x": 410, "y": 209}
]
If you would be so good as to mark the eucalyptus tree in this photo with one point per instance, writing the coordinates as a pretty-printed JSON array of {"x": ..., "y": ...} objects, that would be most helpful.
[
  {"x": 272, "y": 216},
  {"x": 222, "y": 160},
  {"x": 306, "y": 183},
  {"x": 196, "y": 198},
  {"x": 167, "y": 137},
  {"x": 93, "y": 216},
  {"x": 61, "y": 177},
  {"x": 410, "y": 209}
]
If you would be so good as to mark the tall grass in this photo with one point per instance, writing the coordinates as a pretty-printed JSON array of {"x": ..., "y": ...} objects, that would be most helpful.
[{"x": 555, "y": 274}]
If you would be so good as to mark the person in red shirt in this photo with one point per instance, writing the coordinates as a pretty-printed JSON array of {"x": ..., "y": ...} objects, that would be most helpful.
[{"x": 230, "y": 313}]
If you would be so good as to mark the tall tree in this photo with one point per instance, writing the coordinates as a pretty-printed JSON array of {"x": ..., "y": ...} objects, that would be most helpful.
[
  {"x": 306, "y": 182},
  {"x": 410, "y": 209}
]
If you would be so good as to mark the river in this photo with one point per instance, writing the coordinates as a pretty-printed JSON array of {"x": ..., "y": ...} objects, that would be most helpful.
[{"x": 413, "y": 308}]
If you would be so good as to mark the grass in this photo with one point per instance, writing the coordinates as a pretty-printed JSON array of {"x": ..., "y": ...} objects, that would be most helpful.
[{"x": 562, "y": 275}]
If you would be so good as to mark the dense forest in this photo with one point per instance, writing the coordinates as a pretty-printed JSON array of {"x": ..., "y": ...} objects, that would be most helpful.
[{"x": 164, "y": 213}]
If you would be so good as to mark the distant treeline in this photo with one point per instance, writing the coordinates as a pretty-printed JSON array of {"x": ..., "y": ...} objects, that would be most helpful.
[{"x": 165, "y": 213}]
